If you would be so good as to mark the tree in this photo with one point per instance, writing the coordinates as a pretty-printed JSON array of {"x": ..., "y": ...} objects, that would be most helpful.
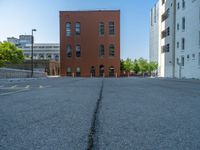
[
  {"x": 136, "y": 67},
  {"x": 128, "y": 65},
  {"x": 122, "y": 68},
  {"x": 143, "y": 64},
  {"x": 152, "y": 66},
  {"x": 9, "y": 53}
]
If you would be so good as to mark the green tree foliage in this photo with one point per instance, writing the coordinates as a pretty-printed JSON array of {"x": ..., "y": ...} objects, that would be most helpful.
[
  {"x": 152, "y": 67},
  {"x": 128, "y": 65},
  {"x": 9, "y": 53},
  {"x": 136, "y": 67},
  {"x": 122, "y": 68},
  {"x": 143, "y": 64}
]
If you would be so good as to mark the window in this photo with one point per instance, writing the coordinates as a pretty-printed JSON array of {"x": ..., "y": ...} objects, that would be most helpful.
[
  {"x": 165, "y": 33},
  {"x": 183, "y": 44},
  {"x": 183, "y": 4},
  {"x": 78, "y": 28},
  {"x": 78, "y": 71},
  {"x": 178, "y": 5},
  {"x": 199, "y": 59},
  {"x": 111, "y": 50},
  {"x": 111, "y": 71},
  {"x": 177, "y": 44},
  {"x": 101, "y": 50},
  {"x": 183, "y": 23},
  {"x": 101, "y": 70},
  {"x": 165, "y": 48},
  {"x": 165, "y": 15},
  {"x": 69, "y": 51},
  {"x": 92, "y": 71},
  {"x": 188, "y": 57},
  {"x": 178, "y": 26},
  {"x": 193, "y": 56},
  {"x": 48, "y": 56},
  {"x": 199, "y": 38},
  {"x": 78, "y": 51},
  {"x": 182, "y": 61},
  {"x": 68, "y": 29},
  {"x": 69, "y": 71},
  {"x": 111, "y": 28},
  {"x": 163, "y": 1},
  {"x": 101, "y": 28}
]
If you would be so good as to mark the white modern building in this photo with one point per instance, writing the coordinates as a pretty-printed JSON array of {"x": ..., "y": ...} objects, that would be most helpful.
[
  {"x": 42, "y": 51},
  {"x": 175, "y": 38}
]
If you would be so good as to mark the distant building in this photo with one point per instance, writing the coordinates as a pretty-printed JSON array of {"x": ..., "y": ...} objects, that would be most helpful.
[
  {"x": 90, "y": 43},
  {"x": 22, "y": 41},
  {"x": 42, "y": 51},
  {"x": 175, "y": 38}
]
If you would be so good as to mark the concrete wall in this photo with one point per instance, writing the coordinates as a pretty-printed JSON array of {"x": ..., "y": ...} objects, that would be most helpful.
[{"x": 17, "y": 73}]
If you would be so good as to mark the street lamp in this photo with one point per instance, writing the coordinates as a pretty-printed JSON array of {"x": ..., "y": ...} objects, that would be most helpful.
[{"x": 33, "y": 30}]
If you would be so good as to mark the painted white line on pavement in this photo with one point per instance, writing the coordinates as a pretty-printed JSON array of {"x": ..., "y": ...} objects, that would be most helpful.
[
  {"x": 28, "y": 86},
  {"x": 12, "y": 87},
  {"x": 8, "y": 93}
]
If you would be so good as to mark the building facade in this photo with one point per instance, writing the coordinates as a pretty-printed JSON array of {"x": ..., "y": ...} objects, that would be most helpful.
[
  {"x": 175, "y": 38},
  {"x": 42, "y": 51},
  {"x": 90, "y": 43}
]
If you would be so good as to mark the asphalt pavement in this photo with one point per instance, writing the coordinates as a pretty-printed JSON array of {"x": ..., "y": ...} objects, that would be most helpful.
[{"x": 97, "y": 113}]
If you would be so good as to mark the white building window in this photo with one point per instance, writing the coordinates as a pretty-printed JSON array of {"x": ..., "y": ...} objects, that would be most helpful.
[
  {"x": 182, "y": 61},
  {"x": 183, "y": 44},
  {"x": 183, "y": 23},
  {"x": 199, "y": 59}
]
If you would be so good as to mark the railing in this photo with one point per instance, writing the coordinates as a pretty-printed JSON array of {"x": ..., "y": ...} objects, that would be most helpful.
[{"x": 18, "y": 73}]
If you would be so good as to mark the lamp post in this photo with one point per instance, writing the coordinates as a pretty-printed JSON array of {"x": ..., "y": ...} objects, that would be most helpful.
[{"x": 33, "y": 30}]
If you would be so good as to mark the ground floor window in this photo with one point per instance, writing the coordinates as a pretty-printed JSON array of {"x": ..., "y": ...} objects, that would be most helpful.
[
  {"x": 78, "y": 71},
  {"x": 101, "y": 70},
  {"x": 69, "y": 71},
  {"x": 92, "y": 71},
  {"x": 111, "y": 71}
]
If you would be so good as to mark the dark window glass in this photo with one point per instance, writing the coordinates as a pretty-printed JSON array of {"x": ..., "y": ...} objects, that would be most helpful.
[
  {"x": 68, "y": 29},
  {"x": 111, "y": 50},
  {"x": 78, "y": 51},
  {"x": 101, "y": 50},
  {"x": 111, "y": 28},
  {"x": 78, "y": 28},
  {"x": 69, "y": 51},
  {"x": 101, "y": 28}
]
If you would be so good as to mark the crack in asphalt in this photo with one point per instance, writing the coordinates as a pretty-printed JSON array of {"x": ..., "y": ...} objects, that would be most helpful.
[{"x": 93, "y": 128}]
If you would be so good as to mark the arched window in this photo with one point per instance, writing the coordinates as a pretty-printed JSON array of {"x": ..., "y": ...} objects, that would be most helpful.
[
  {"x": 78, "y": 28},
  {"x": 92, "y": 71},
  {"x": 68, "y": 29},
  {"x": 69, "y": 71},
  {"x": 101, "y": 50},
  {"x": 101, "y": 70},
  {"x": 111, "y": 71},
  {"x": 111, "y": 50},
  {"x": 78, "y": 51},
  {"x": 101, "y": 28},
  {"x": 78, "y": 71},
  {"x": 69, "y": 51}
]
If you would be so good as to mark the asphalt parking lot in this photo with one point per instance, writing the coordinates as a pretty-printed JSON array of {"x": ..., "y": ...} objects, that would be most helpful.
[{"x": 103, "y": 114}]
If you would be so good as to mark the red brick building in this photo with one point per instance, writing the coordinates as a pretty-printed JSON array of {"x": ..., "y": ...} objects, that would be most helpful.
[{"x": 90, "y": 43}]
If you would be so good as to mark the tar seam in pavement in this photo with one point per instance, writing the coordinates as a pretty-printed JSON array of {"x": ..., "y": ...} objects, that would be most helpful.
[{"x": 92, "y": 131}]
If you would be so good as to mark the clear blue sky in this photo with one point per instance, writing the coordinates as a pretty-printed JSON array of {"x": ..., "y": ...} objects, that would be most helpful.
[{"x": 20, "y": 16}]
